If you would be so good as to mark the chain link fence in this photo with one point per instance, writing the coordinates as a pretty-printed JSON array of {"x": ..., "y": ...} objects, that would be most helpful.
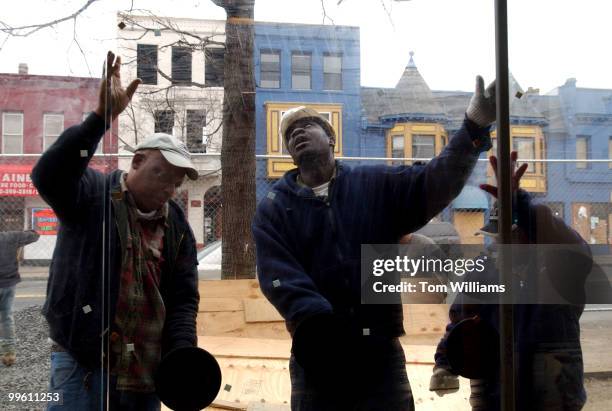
[{"x": 579, "y": 192}]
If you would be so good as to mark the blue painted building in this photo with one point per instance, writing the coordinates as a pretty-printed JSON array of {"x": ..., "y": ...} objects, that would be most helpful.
[
  {"x": 579, "y": 128},
  {"x": 319, "y": 66},
  {"x": 411, "y": 121},
  {"x": 313, "y": 65}
]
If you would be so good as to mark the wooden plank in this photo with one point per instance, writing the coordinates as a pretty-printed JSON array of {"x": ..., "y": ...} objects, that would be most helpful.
[
  {"x": 246, "y": 347},
  {"x": 229, "y": 288},
  {"x": 232, "y": 324},
  {"x": 219, "y": 304},
  {"x": 219, "y": 404},
  {"x": 257, "y": 310},
  {"x": 260, "y": 406},
  {"x": 281, "y": 349}
]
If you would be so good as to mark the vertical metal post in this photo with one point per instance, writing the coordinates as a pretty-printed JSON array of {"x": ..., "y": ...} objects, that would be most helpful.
[{"x": 504, "y": 176}]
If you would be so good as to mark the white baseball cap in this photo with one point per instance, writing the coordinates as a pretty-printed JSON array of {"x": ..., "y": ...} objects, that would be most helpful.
[{"x": 173, "y": 150}]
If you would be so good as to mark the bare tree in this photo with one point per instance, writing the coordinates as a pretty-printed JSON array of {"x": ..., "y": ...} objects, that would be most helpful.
[{"x": 238, "y": 150}]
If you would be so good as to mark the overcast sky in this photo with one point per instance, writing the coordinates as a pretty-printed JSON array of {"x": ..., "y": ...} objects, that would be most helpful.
[{"x": 453, "y": 40}]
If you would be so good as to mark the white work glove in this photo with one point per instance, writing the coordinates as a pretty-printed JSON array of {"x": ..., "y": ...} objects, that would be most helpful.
[
  {"x": 481, "y": 109},
  {"x": 443, "y": 379}
]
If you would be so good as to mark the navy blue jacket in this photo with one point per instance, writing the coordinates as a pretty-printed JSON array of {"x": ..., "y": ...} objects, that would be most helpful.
[
  {"x": 544, "y": 333},
  {"x": 308, "y": 249},
  {"x": 86, "y": 266}
]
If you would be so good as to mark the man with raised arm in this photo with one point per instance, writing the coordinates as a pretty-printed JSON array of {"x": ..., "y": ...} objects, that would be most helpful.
[
  {"x": 309, "y": 231},
  {"x": 122, "y": 286}
]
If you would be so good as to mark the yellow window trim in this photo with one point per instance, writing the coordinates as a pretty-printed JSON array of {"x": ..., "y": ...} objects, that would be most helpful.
[
  {"x": 407, "y": 130},
  {"x": 532, "y": 181}
]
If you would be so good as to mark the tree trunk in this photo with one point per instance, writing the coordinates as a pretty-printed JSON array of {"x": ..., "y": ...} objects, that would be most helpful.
[{"x": 238, "y": 147}]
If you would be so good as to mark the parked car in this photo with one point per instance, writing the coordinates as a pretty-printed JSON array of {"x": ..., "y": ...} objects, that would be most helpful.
[{"x": 209, "y": 261}]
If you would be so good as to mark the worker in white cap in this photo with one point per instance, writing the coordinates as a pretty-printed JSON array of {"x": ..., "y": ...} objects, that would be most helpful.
[{"x": 122, "y": 290}]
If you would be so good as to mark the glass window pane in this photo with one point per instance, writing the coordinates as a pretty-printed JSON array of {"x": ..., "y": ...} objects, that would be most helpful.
[
  {"x": 54, "y": 124},
  {"x": 300, "y": 81},
  {"x": 214, "y": 66},
  {"x": 196, "y": 121},
  {"x": 146, "y": 63},
  {"x": 423, "y": 146},
  {"x": 12, "y": 123},
  {"x": 332, "y": 64},
  {"x": 164, "y": 121},
  {"x": 12, "y": 144},
  {"x": 181, "y": 65},
  {"x": 582, "y": 148},
  {"x": 300, "y": 70},
  {"x": 270, "y": 69},
  {"x": 525, "y": 148}
]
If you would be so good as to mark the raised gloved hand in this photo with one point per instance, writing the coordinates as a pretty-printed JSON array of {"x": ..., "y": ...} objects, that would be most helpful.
[
  {"x": 442, "y": 380},
  {"x": 481, "y": 109}
]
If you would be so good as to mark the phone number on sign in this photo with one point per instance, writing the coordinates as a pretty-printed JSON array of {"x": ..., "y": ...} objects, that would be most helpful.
[{"x": 34, "y": 396}]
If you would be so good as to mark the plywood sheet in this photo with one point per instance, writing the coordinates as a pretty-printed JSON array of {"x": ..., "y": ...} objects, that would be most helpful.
[
  {"x": 249, "y": 379},
  {"x": 246, "y": 347},
  {"x": 232, "y": 324},
  {"x": 230, "y": 288},
  {"x": 281, "y": 349},
  {"x": 257, "y": 310},
  {"x": 425, "y": 318},
  {"x": 220, "y": 304}
]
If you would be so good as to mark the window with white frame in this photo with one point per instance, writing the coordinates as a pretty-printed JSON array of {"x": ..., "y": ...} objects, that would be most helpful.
[
  {"x": 270, "y": 69},
  {"x": 53, "y": 125},
  {"x": 332, "y": 71},
  {"x": 301, "y": 70},
  {"x": 12, "y": 133}
]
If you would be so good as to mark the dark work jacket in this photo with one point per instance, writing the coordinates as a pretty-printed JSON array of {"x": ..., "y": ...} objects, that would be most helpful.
[
  {"x": 85, "y": 269},
  {"x": 543, "y": 333},
  {"x": 308, "y": 249}
]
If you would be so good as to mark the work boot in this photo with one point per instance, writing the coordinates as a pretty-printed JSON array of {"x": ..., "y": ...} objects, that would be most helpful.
[{"x": 9, "y": 359}]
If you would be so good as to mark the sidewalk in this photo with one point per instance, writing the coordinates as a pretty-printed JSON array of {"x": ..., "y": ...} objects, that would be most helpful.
[{"x": 34, "y": 273}]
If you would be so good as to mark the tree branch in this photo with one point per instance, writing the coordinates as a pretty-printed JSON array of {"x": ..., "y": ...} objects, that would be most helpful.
[{"x": 24, "y": 31}]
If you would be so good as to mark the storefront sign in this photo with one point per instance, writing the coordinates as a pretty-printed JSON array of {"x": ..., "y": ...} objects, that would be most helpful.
[
  {"x": 44, "y": 221},
  {"x": 15, "y": 181}
]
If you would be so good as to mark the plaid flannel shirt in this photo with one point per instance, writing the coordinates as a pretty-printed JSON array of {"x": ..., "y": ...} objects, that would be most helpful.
[{"x": 140, "y": 314}]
